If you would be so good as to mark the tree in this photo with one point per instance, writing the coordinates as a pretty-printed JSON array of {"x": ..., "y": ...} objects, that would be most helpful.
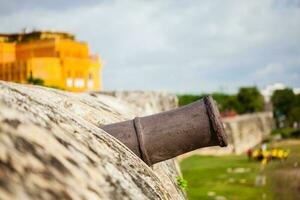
[
  {"x": 294, "y": 113},
  {"x": 250, "y": 100},
  {"x": 283, "y": 101},
  {"x": 187, "y": 99},
  {"x": 232, "y": 104},
  {"x": 226, "y": 102}
]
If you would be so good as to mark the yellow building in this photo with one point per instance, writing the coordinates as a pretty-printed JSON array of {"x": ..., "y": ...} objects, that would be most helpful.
[{"x": 55, "y": 58}]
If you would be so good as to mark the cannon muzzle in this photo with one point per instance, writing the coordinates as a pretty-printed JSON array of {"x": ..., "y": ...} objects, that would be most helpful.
[{"x": 168, "y": 134}]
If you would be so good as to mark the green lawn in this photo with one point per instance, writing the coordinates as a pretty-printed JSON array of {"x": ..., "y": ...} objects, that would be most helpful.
[
  {"x": 285, "y": 176},
  {"x": 233, "y": 177}
]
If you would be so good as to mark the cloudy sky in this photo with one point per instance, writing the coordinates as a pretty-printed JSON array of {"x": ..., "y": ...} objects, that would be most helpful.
[{"x": 175, "y": 45}]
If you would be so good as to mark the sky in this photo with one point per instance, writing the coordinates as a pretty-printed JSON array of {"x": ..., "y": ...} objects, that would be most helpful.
[{"x": 174, "y": 45}]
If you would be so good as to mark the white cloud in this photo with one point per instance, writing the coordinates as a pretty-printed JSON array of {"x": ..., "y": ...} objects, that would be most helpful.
[
  {"x": 270, "y": 70},
  {"x": 180, "y": 45}
]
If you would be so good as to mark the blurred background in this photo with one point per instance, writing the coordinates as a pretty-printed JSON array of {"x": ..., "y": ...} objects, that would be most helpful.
[
  {"x": 172, "y": 45},
  {"x": 245, "y": 53}
]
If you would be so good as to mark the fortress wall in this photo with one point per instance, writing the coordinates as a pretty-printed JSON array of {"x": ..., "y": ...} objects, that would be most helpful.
[
  {"x": 51, "y": 147},
  {"x": 146, "y": 103},
  {"x": 246, "y": 131}
]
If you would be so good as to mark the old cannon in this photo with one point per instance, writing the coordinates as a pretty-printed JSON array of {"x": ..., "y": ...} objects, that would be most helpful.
[{"x": 168, "y": 134}]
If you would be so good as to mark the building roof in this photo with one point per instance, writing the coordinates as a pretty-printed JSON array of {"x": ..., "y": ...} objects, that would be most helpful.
[{"x": 34, "y": 35}]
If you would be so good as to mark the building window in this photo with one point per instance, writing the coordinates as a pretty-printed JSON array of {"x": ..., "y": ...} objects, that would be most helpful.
[
  {"x": 79, "y": 83},
  {"x": 90, "y": 84},
  {"x": 69, "y": 82}
]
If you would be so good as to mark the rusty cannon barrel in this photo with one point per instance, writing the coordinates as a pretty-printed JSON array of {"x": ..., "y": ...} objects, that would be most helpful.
[{"x": 168, "y": 134}]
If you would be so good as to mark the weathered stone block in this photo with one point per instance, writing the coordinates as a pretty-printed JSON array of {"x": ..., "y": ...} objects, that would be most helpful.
[{"x": 51, "y": 148}]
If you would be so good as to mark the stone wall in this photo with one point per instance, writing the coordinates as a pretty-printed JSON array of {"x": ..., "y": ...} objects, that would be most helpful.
[
  {"x": 51, "y": 147},
  {"x": 248, "y": 130},
  {"x": 146, "y": 103}
]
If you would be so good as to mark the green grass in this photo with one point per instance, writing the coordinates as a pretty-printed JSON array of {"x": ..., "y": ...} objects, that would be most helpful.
[
  {"x": 287, "y": 132},
  {"x": 210, "y": 174},
  {"x": 284, "y": 177},
  {"x": 207, "y": 174}
]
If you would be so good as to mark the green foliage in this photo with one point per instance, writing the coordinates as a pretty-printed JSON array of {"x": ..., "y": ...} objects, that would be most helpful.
[
  {"x": 209, "y": 174},
  {"x": 295, "y": 133},
  {"x": 286, "y": 107},
  {"x": 294, "y": 113},
  {"x": 287, "y": 132},
  {"x": 226, "y": 102},
  {"x": 181, "y": 182},
  {"x": 247, "y": 100},
  {"x": 35, "y": 81},
  {"x": 54, "y": 87},
  {"x": 250, "y": 100},
  {"x": 282, "y": 101},
  {"x": 187, "y": 99}
]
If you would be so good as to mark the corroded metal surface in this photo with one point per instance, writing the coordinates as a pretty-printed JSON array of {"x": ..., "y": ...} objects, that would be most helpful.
[{"x": 168, "y": 134}]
